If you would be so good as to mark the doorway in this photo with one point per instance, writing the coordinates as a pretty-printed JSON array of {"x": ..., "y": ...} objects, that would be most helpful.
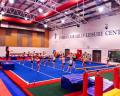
[{"x": 96, "y": 57}]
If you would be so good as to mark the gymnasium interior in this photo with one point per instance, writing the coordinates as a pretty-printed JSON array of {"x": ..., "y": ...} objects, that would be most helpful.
[{"x": 59, "y": 47}]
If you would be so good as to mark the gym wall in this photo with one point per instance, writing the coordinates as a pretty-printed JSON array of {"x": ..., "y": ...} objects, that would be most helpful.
[
  {"x": 23, "y": 38},
  {"x": 109, "y": 39}
]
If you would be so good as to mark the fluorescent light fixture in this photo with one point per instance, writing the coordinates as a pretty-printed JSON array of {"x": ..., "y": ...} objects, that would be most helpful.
[
  {"x": 2, "y": 12},
  {"x": 11, "y": 1},
  {"x": 48, "y": 19},
  {"x": 101, "y": 9},
  {"x": 45, "y": 25},
  {"x": 66, "y": 12},
  {"x": 42, "y": 0},
  {"x": 40, "y": 10},
  {"x": 62, "y": 21},
  {"x": 2, "y": 4},
  {"x": 26, "y": 18},
  {"x": 53, "y": 5},
  {"x": 27, "y": 11}
]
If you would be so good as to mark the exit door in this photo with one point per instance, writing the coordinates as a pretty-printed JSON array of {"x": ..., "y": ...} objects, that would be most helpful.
[{"x": 96, "y": 57}]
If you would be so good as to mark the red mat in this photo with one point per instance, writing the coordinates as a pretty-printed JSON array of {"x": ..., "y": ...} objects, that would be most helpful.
[
  {"x": 23, "y": 85},
  {"x": 3, "y": 89},
  {"x": 18, "y": 82},
  {"x": 44, "y": 83},
  {"x": 74, "y": 94}
]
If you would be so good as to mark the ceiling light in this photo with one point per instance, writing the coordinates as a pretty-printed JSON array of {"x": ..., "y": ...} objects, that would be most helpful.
[
  {"x": 53, "y": 5},
  {"x": 11, "y": 1},
  {"x": 45, "y": 25},
  {"x": 26, "y": 18},
  {"x": 62, "y": 21},
  {"x": 48, "y": 19},
  {"x": 27, "y": 11},
  {"x": 2, "y": 12},
  {"x": 2, "y": 4},
  {"x": 101, "y": 9},
  {"x": 42, "y": 1},
  {"x": 66, "y": 12},
  {"x": 40, "y": 10}
]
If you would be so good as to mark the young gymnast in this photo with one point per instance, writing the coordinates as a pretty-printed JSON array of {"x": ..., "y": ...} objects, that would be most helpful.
[
  {"x": 38, "y": 62},
  {"x": 70, "y": 64},
  {"x": 84, "y": 59},
  {"x": 23, "y": 57},
  {"x": 54, "y": 58},
  {"x": 63, "y": 61},
  {"x": 74, "y": 59},
  {"x": 32, "y": 62}
]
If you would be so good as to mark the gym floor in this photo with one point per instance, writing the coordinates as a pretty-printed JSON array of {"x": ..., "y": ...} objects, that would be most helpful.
[
  {"x": 49, "y": 72},
  {"x": 24, "y": 72}
]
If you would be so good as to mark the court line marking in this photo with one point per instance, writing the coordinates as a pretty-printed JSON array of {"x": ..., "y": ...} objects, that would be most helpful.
[
  {"x": 43, "y": 81},
  {"x": 19, "y": 77},
  {"x": 35, "y": 71},
  {"x": 32, "y": 82},
  {"x": 54, "y": 68},
  {"x": 38, "y": 72}
]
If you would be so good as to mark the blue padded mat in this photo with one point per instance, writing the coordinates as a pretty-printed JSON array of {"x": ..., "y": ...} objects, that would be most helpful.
[{"x": 14, "y": 90}]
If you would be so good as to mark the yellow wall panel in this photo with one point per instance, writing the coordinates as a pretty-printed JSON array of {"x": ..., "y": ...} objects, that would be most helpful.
[
  {"x": 46, "y": 38},
  {"x": 15, "y": 37},
  {"x": 24, "y": 41},
  {"x": 11, "y": 39},
  {"x": 35, "y": 40},
  {"x": 2, "y": 32}
]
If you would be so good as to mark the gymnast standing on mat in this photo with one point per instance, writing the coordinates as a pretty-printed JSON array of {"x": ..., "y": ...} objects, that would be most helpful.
[
  {"x": 32, "y": 62},
  {"x": 7, "y": 52},
  {"x": 89, "y": 58},
  {"x": 74, "y": 59},
  {"x": 54, "y": 58},
  {"x": 23, "y": 57},
  {"x": 84, "y": 59},
  {"x": 70, "y": 64},
  {"x": 63, "y": 61},
  {"x": 38, "y": 62}
]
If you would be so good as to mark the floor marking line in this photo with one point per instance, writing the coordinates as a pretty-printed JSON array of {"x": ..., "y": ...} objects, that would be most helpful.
[
  {"x": 39, "y": 72},
  {"x": 19, "y": 77}
]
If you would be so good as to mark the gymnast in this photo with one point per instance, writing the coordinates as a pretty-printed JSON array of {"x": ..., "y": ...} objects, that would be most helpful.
[
  {"x": 63, "y": 61},
  {"x": 38, "y": 62},
  {"x": 23, "y": 57},
  {"x": 74, "y": 59},
  {"x": 32, "y": 61},
  {"x": 54, "y": 59},
  {"x": 84, "y": 59},
  {"x": 70, "y": 64}
]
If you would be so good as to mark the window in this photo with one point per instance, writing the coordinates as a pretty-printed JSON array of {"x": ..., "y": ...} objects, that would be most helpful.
[{"x": 114, "y": 56}]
